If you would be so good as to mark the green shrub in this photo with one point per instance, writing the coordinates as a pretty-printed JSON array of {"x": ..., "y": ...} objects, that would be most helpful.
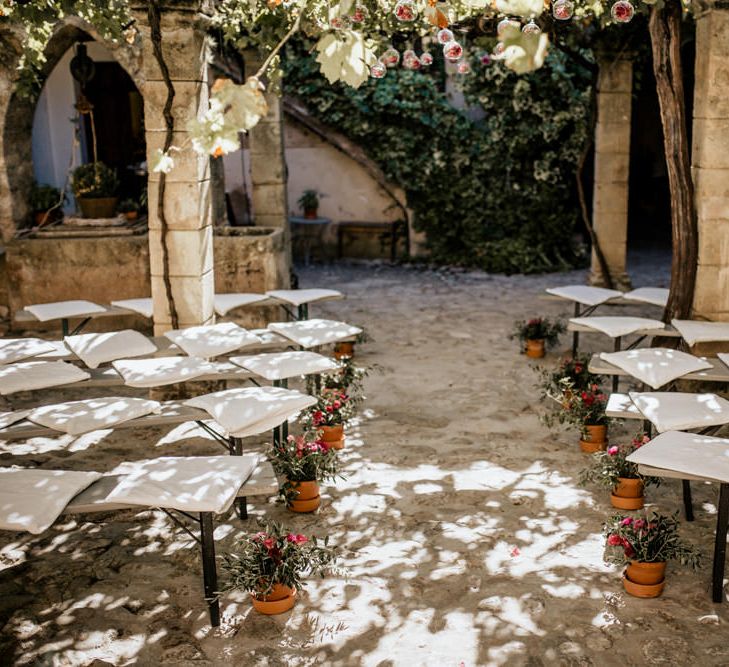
[
  {"x": 93, "y": 181},
  {"x": 44, "y": 198}
]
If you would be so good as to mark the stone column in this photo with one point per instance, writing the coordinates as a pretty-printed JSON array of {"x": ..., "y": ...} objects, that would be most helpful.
[
  {"x": 711, "y": 164},
  {"x": 189, "y": 236},
  {"x": 612, "y": 168}
]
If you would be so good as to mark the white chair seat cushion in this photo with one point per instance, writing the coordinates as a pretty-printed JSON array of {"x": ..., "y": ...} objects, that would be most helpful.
[
  {"x": 78, "y": 417},
  {"x": 10, "y": 418},
  {"x": 142, "y": 306},
  {"x": 695, "y": 331},
  {"x": 311, "y": 333},
  {"x": 687, "y": 453},
  {"x": 63, "y": 309},
  {"x": 585, "y": 294},
  {"x": 252, "y": 410},
  {"x": 616, "y": 326},
  {"x": 282, "y": 365},
  {"x": 297, "y": 297},
  {"x": 33, "y": 499},
  {"x": 186, "y": 483},
  {"x": 620, "y": 406},
  {"x": 677, "y": 411},
  {"x": 158, "y": 372},
  {"x": 17, "y": 349},
  {"x": 224, "y": 303},
  {"x": 655, "y": 366},
  {"x": 95, "y": 349},
  {"x": 212, "y": 340},
  {"x": 656, "y": 296},
  {"x": 30, "y": 375}
]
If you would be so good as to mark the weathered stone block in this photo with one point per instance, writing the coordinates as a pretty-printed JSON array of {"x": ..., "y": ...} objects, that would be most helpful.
[
  {"x": 193, "y": 298},
  {"x": 612, "y": 138},
  {"x": 269, "y": 200},
  {"x": 614, "y": 108},
  {"x": 191, "y": 100},
  {"x": 712, "y": 290},
  {"x": 711, "y": 143},
  {"x": 612, "y": 167},
  {"x": 610, "y": 198},
  {"x": 615, "y": 76},
  {"x": 187, "y": 205},
  {"x": 190, "y": 252},
  {"x": 188, "y": 165}
]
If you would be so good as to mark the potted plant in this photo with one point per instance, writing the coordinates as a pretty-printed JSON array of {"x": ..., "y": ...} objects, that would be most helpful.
[
  {"x": 537, "y": 334},
  {"x": 129, "y": 209},
  {"x": 645, "y": 545},
  {"x": 272, "y": 563},
  {"x": 585, "y": 410},
  {"x": 611, "y": 469},
  {"x": 94, "y": 185},
  {"x": 328, "y": 416},
  {"x": 45, "y": 200},
  {"x": 304, "y": 461},
  {"x": 572, "y": 374},
  {"x": 345, "y": 349},
  {"x": 309, "y": 202}
]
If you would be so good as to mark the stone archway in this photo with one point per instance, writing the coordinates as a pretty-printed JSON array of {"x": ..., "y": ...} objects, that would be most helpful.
[{"x": 17, "y": 111}]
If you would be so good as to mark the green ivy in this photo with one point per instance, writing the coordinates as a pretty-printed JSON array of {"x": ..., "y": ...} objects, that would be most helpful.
[{"x": 492, "y": 187}]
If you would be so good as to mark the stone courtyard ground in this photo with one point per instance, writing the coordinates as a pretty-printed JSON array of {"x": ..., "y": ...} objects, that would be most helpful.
[{"x": 466, "y": 538}]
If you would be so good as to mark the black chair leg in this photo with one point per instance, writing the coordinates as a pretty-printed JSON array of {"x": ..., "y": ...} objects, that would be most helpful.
[
  {"x": 210, "y": 571},
  {"x": 688, "y": 506},
  {"x": 722, "y": 519}
]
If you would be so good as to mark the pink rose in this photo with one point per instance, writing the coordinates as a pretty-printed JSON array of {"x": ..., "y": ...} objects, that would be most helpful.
[
  {"x": 614, "y": 540},
  {"x": 612, "y": 451},
  {"x": 638, "y": 524},
  {"x": 269, "y": 543},
  {"x": 337, "y": 405},
  {"x": 296, "y": 538},
  {"x": 626, "y": 521}
]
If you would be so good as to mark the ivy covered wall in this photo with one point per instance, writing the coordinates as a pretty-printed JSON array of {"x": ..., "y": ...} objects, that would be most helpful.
[{"x": 493, "y": 189}]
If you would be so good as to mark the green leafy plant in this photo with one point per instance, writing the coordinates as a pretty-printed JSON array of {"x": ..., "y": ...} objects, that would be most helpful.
[
  {"x": 349, "y": 378},
  {"x": 333, "y": 407},
  {"x": 309, "y": 200},
  {"x": 579, "y": 408},
  {"x": 45, "y": 197},
  {"x": 275, "y": 555},
  {"x": 94, "y": 181},
  {"x": 538, "y": 328},
  {"x": 648, "y": 539},
  {"x": 128, "y": 206},
  {"x": 574, "y": 370},
  {"x": 304, "y": 458},
  {"x": 609, "y": 466}
]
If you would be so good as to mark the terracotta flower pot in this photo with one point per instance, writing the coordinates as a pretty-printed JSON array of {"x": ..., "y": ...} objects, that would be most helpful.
[
  {"x": 642, "y": 590},
  {"x": 278, "y": 601},
  {"x": 535, "y": 348},
  {"x": 44, "y": 217},
  {"x": 311, "y": 213},
  {"x": 628, "y": 494},
  {"x": 596, "y": 439},
  {"x": 97, "y": 207},
  {"x": 131, "y": 215},
  {"x": 307, "y": 498},
  {"x": 647, "y": 574},
  {"x": 344, "y": 350},
  {"x": 333, "y": 435}
]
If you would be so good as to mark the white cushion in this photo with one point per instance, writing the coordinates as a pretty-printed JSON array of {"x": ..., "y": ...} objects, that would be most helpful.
[
  {"x": 677, "y": 411},
  {"x": 186, "y": 483},
  {"x": 98, "y": 348},
  {"x": 78, "y": 417},
  {"x": 688, "y": 453},
  {"x": 297, "y": 297},
  {"x": 695, "y": 331},
  {"x": 655, "y": 366},
  {"x": 312, "y": 333},
  {"x": 213, "y": 340},
  {"x": 29, "y": 375},
  {"x": 63, "y": 309},
  {"x": 142, "y": 306},
  {"x": 16, "y": 349},
  {"x": 33, "y": 499},
  {"x": 282, "y": 365},
  {"x": 620, "y": 406},
  {"x": 616, "y": 326},
  {"x": 252, "y": 410},
  {"x": 585, "y": 294},
  {"x": 10, "y": 418},
  {"x": 656, "y": 296},
  {"x": 161, "y": 371},
  {"x": 224, "y": 303}
]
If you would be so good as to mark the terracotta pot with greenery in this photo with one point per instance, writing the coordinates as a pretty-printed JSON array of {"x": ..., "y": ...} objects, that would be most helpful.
[
  {"x": 129, "y": 209},
  {"x": 309, "y": 202},
  {"x": 329, "y": 415},
  {"x": 304, "y": 461},
  {"x": 94, "y": 185},
  {"x": 272, "y": 563},
  {"x": 644, "y": 545},
  {"x": 46, "y": 202},
  {"x": 612, "y": 469},
  {"x": 537, "y": 335}
]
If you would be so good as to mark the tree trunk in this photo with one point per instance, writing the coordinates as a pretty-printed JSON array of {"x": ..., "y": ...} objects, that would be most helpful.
[{"x": 665, "y": 32}]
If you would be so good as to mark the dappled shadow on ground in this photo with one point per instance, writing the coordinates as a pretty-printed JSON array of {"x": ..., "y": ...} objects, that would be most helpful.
[{"x": 465, "y": 536}]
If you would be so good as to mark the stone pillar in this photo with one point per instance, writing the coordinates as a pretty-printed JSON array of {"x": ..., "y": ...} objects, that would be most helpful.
[
  {"x": 189, "y": 235},
  {"x": 711, "y": 164},
  {"x": 612, "y": 168}
]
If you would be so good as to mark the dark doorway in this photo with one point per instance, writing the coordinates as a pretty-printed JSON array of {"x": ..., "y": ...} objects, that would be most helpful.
[{"x": 119, "y": 120}]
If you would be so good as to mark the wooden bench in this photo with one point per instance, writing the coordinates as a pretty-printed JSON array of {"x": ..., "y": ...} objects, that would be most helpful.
[{"x": 392, "y": 229}]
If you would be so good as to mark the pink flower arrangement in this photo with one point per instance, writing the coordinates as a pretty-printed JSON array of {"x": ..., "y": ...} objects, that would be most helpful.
[
  {"x": 333, "y": 408},
  {"x": 609, "y": 467}
]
